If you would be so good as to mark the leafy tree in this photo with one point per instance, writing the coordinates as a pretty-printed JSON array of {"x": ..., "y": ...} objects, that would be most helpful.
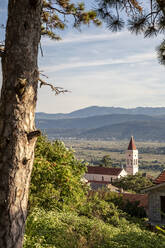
[
  {"x": 147, "y": 17},
  {"x": 134, "y": 183},
  {"x": 106, "y": 161},
  {"x": 56, "y": 180},
  {"x": 27, "y": 20}
]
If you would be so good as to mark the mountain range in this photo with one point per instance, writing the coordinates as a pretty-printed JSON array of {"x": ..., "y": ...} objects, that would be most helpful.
[
  {"x": 97, "y": 111},
  {"x": 108, "y": 123}
]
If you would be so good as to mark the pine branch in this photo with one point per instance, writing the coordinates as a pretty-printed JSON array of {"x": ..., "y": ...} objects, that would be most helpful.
[
  {"x": 56, "y": 14},
  {"x": 58, "y": 10},
  {"x": 136, "y": 5}
]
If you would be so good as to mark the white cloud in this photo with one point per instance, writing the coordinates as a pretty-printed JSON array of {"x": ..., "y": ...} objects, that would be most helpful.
[
  {"x": 137, "y": 58},
  {"x": 121, "y": 86},
  {"x": 81, "y": 38}
]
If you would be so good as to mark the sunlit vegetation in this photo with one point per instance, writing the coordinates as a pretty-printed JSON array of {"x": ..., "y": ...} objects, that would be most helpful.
[
  {"x": 65, "y": 229},
  {"x": 64, "y": 213},
  {"x": 134, "y": 183}
]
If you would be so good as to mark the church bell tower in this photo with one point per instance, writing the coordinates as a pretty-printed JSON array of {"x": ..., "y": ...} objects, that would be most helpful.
[{"x": 132, "y": 158}]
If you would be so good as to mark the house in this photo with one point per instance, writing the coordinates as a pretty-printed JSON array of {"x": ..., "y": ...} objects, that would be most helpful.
[
  {"x": 156, "y": 200},
  {"x": 132, "y": 158},
  {"x": 104, "y": 175}
]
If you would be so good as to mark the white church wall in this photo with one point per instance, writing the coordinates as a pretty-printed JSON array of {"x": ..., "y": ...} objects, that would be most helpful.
[
  {"x": 100, "y": 177},
  {"x": 106, "y": 178},
  {"x": 123, "y": 173}
]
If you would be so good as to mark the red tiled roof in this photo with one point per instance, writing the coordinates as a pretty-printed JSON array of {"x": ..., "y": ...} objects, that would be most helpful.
[
  {"x": 142, "y": 198},
  {"x": 132, "y": 144},
  {"x": 103, "y": 170},
  {"x": 161, "y": 178}
]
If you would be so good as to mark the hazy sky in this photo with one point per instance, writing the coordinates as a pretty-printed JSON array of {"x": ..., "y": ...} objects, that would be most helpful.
[{"x": 100, "y": 68}]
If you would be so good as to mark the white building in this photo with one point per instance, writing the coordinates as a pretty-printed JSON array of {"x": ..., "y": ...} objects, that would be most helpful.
[
  {"x": 104, "y": 175},
  {"x": 132, "y": 158}
]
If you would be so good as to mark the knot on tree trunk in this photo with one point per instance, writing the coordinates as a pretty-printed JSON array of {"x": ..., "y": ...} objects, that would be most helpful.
[
  {"x": 33, "y": 134},
  {"x": 20, "y": 86}
]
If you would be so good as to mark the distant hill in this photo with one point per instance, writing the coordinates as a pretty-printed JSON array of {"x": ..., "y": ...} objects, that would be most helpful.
[
  {"x": 94, "y": 123},
  {"x": 97, "y": 111},
  {"x": 142, "y": 130},
  {"x": 89, "y": 122}
]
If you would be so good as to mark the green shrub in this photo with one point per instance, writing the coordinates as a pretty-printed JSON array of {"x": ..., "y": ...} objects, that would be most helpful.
[
  {"x": 54, "y": 229},
  {"x": 56, "y": 177}
]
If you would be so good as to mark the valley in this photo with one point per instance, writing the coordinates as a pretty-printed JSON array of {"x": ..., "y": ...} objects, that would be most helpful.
[{"x": 151, "y": 154}]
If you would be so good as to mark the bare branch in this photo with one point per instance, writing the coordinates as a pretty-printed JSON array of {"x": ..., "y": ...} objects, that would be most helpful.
[
  {"x": 57, "y": 90},
  {"x": 42, "y": 54},
  {"x": 1, "y": 52},
  {"x": 40, "y": 72}
]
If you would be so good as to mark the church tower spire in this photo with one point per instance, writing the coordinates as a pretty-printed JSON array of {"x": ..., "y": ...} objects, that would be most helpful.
[{"x": 132, "y": 158}]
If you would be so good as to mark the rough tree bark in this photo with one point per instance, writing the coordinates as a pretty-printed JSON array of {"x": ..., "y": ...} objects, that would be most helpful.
[{"x": 17, "y": 106}]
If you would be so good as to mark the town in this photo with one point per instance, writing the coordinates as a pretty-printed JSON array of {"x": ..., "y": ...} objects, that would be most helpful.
[{"x": 82, "y": 124}]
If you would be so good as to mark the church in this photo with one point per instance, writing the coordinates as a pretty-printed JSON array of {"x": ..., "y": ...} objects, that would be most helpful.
[
  {"x": 103, "y": 175},
  {"x": 132, "y": 158}
]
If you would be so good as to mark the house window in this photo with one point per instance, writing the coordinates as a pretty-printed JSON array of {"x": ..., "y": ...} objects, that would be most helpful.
[{"x": 102, "y": 178}]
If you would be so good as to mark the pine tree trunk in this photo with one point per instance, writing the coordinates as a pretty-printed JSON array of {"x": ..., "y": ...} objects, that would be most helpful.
[{"x": 17, "y": 106}]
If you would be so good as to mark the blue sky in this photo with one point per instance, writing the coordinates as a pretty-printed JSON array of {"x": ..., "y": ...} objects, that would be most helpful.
[{"x": 100, "y": 68}]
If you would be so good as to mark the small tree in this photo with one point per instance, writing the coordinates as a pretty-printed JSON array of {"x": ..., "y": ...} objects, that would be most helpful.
[{"x": 106, "y": 161}]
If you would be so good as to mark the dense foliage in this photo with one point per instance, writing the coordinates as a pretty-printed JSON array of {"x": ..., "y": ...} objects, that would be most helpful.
[
  {"x": 56, "y": 177},
  {"x": 62, "y": 214},
  {"x": 68, "y": 230},
  {"x": 111, "y": 207},
  {"x": 134, "y": 183}
]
